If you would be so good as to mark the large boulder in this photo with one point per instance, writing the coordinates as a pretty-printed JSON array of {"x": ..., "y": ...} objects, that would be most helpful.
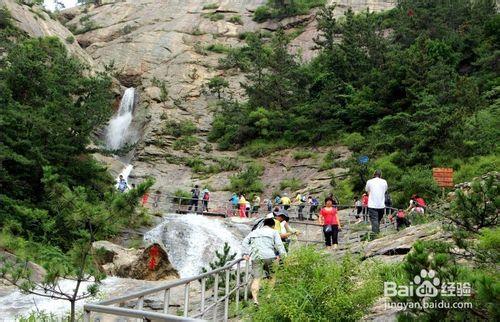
[{"x": 150, "y": 263}]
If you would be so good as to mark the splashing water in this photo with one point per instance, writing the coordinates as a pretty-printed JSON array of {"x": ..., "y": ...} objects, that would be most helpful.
[
  {"x": 191, "y": 240},
  {"x": 117, "y": 130}
]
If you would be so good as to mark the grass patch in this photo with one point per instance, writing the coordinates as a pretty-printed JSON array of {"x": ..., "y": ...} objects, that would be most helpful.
[
  {"x": 303, "y": 154},
  {"x": 211, "y": 6},
  {"x": 248, "y": 181},
  {"x": 213, "y": 16},
  {"x": 260, "y": 148},
  {"x": 218, "y": 48},
  {"x": 70, "y": 39}
]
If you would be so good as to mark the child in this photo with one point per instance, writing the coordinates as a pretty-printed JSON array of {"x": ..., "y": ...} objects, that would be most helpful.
[{"x": 401, "y": 219}]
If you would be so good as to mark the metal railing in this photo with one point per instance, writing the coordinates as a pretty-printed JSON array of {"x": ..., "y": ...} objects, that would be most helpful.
[{"x": 230, "y": 278}]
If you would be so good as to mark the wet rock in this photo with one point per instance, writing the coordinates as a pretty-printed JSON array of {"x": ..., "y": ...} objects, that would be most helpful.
[{"x": 151, "y": 263}]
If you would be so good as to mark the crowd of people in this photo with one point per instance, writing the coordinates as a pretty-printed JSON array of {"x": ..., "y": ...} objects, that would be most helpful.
[{"x": 268, "y": 241}]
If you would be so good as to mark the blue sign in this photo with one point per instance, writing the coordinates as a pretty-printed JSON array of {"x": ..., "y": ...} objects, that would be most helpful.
[{"x": 363, "y": 159}]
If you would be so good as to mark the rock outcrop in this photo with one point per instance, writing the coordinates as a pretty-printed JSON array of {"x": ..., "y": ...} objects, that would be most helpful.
[
  {"x": 160, "y": 47},
  {"x": 150, "y": 264}
]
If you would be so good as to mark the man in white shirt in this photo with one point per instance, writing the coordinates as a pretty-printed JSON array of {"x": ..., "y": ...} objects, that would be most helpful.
[{"x": 376, "y": 188}]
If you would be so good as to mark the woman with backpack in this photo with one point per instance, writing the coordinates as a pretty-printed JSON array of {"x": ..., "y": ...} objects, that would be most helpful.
[{"x": 329, "y": 219}]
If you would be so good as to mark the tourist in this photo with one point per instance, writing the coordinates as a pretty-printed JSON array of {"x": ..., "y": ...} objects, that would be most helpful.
[
  {"x": 285, "y": 201},
  {"x": 269, "y": 204},
  {"x": 261, "y": 246},
  {"x": 145, "y": 198},
  {"x": 283, "y": 228},
  {"x": 364, "y": 204},
  {"x": 156, "y": 198},
  {"x": 376, "y": 188},
  {"x": 401, "y": 219},
  {"x": 248, "y": 207},
  {"x": 122, "y": 184},
  {"x": 314, "y": 207},
  {"x": 417, "y": 204},
  {"x": 328, "y": 218},
  {"x": 277, "y": 200},
  {"x": 234, "y": 202},
  {"x": 300, "y": 201},
  {"x": 195, "y": 195},
  {"x": 205, "y": 197},
  {"x": 358, "y": 208},
  {"x": 255, "y": 204},
  {"x": 242, "y": 202}
]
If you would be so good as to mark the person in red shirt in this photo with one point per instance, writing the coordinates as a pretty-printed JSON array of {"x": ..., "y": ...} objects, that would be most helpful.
[
  {"x": 329, "y": 219},
  {"x": 364, "y": 205}
]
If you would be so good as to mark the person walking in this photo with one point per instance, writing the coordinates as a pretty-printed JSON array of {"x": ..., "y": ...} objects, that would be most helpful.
[
  {"x": 376, "y": 188},
  {"x": 358, "y": 208},
  {"x": 242, "y": 202},
  {"x": 364, "y": 205},
  {"x": 329, "y": 219},
  {"x": 286, "y": 201},
  {"x": 122, "y": 184},
  {"x": 314, "y": 207},
  {"x": 262, "y": 246},
  {"x": 269, "y": 204},
  {"x": 156, "y": 198},
  {"x": 234, "y": 202},
  {"x": 195, "y": 195},
  {"x": 300, "y": 201},
  {"x": 255, "y": 204},
  {"x": 205, "y": 197}
]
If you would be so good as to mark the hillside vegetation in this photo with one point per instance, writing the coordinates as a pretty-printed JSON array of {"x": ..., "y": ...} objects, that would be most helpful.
[{"x": 413, "y": 87}]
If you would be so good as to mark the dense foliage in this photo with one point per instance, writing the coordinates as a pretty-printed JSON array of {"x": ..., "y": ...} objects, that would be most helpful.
[
  {"x": 473, "y": 221},
  {"x": 311, "y": 287},
  {"x": 417, "y": 84},
  {"x": 55, "y": 199}
]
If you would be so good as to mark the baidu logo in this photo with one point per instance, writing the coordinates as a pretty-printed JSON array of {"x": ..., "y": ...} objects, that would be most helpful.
[{"x": 427, "y": 285}]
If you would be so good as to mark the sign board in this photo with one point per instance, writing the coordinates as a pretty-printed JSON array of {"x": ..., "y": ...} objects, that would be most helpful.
[
  {"x": 443, "y": 177},
  {"x": 363, "y": 159}
]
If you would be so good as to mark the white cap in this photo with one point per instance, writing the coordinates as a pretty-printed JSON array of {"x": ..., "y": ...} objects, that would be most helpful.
[{"x": 270, "y": 215}]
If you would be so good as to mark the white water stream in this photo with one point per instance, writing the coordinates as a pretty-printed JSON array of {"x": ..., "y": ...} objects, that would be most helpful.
[
  {"x": 117, "y": 132},
  {"x": 190, "y": 241}
]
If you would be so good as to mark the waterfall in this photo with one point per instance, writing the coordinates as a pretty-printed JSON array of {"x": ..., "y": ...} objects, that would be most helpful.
[
  {"x": 117, "y": 130},
  {"x": 191, "y": 240}
]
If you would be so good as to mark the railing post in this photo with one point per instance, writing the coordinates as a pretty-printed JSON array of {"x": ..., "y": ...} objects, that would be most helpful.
[
  {"x": 186, "y": 300},
  {"x": 86, "y": 316},
  {"x": 166, "y": 301},
  {"x": 216, "y": 295},
  {"x": 202, "y": 305},
  {"x": 226, "y": 301},
  {"x": 307, "y": 234},
  {"x": 238, "y": 283},
  {"x": 245, "y": 296}
]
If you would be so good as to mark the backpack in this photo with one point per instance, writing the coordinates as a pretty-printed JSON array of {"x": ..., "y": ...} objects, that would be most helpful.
[
  {"x": 387, "y": 200},
  {"x": 315, "y": 202},
  {"x": 206, "y": 196},
  {"x": 195, "y": 193},
  {"x": 303, "y": 199}
]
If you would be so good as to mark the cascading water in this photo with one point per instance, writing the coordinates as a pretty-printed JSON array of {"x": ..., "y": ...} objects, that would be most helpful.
[
  {"x": 191, "y": 240},
  {"x": 117, "y": 131}
]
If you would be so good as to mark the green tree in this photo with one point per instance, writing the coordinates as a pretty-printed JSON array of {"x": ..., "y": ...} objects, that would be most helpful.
[{"x": 217, "y": 85}]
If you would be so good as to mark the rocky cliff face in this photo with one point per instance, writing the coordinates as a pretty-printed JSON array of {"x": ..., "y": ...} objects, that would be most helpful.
[{"x": 161, "y": 44}]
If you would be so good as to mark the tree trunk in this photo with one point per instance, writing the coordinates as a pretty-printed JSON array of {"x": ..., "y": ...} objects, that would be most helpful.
[{"x": 72, "y": 314}]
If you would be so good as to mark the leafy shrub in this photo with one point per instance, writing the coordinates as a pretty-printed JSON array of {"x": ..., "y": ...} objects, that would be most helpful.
[
  {"x": 248, "y": 181},
  {"x": 303, "y": 154},
  {"x": 417, "y": 180},
  {"x": 476, "y": 166},
  {"x": 178, "y": 129},
  {"x": 312, "y": 287},
  {"x": 70, "y": 39},
  {"x": 236, "y": 20},
  {"x": 329, "y": 160},
  {"x": 354, "y": 141},
  {"x": 262, "y": 14},
  {"x": 185, "y": 143},
  {"x": 181, "y": 196},
  {"x": 293, "y": 183},
  {"x": 211, "y": 6}
]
